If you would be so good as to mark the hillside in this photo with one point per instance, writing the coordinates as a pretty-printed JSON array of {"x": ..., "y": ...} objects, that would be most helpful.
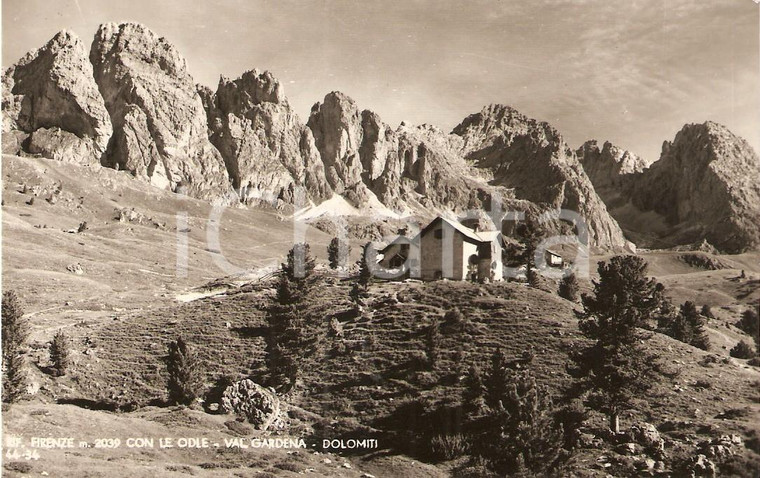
[
  {"x": 128, "y": 252},
  {"x": 128, "y": 303}
]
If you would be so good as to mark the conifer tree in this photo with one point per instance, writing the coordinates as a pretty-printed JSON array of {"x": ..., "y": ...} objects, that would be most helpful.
[
  {"x": 521, "y": 435},
  {"x": 285, "y": 326},
  {"x": 59, "y": 353},
  {"x": 15, "y": 331},
  {"x": 496, "y": 380},
  {"x": 184, "y": 383},
  {"x": 338, "y": 252},
  {"x": 530, "y": 233},
  {"x": 616, "y": 367},
  {"x": 695, "y": 326},
  {"x": 365, "y": 274},
  {"x": 473, "y": 394}
]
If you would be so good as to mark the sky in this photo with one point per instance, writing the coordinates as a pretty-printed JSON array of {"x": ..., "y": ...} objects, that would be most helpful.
[{"x": 629, "y": 71}]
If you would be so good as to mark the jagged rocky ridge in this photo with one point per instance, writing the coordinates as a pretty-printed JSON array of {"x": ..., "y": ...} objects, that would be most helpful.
[
  {"x": 531, "y": 159},
  {"x": 703, "y": 187},
  {"x": 135, "y": 107}
]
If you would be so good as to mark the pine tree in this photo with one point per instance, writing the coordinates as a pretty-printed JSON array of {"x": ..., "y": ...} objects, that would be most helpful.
[
  {"x": 338, "y": 252},
  {"x": 14, "y": 382},
  {"x": 707, "y": 312},
  {"x": 299, "y": 270},
  {"x": 750, "y": 324},
  {"x": 184, "y": 383},
  {"x": 568, "y": 288},
  {"x": 616, "y": 367},
  {"x": 59, "y": 353},
  {"x": 15, "y": 331},
  {"x": 742, "y": 350},
  {"x": 14, "y": 327},
  {"x": 529, "y": 233},
  {"x": 521, "y": 433},
  {"x": 496, "y": 379},
  {"x": 687, "y": 325},
  {"x": 433, "y": 342},
  {"x": 285, "y": 327},
  {"x": 695, "y": 326},
  {"x": 365, "y": 274},
  {"x": 473, "y": 394}
]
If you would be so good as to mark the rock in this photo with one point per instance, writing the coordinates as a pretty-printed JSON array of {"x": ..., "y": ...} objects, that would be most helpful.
[
  {"x": 646, "y": 435},
  {"x": 702, "y": 189},
  {"x": 531, "y": 159},
  {"x": 607, "y": 169},
  {"x": 627, "y": 449},
  {"x": 52, "y": 106},
  {"x": 588, "y": 440},
  {"x": 646, "y": 464},
  {"x": 75, "y": 268},
  {"x": 410, "y": 168},
  {"x": 701, "y": 466},
  {"x": 336, "y": 327},
  {"x": 267, "y": 150},
  {"x": 249, "y": 400},
  {"x": 160, "y": 128}
]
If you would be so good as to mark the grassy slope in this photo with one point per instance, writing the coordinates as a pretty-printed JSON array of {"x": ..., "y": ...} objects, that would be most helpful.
[
  {"x": 121, "y": 313},
  {"x": 359, "y": 388},
  {"x": 128, "y": 265}
]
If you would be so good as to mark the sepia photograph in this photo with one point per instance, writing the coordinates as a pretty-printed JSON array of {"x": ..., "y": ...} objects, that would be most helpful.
[{"x": 389, "y": 238}]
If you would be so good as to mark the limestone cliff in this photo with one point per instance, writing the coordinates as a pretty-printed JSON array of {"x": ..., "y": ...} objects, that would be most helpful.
[
  {"x": 267, "y": 150},
  {"x": 703, "y": 187},
  {"x": 51, "y": 104},
  {"x": 160, "y": 130},
  {"x": 530, "y": 158}
]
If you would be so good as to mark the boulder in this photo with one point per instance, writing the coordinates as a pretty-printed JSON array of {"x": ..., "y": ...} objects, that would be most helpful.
[
  {"x": 646, "y": 435},
  {"x": 249, "y": 400},
  {"x": 160, "y": 127},
  {"x": 702, "y": 467},
  {"x": 51, "y": 95}
]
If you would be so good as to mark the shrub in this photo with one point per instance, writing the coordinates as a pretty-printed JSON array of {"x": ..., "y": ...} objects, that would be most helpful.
[
  {"x": 742, "y": 350},
  {"x": 520, "y": 433},
  {"x": 433, "y": 342},
  {"x": 448, "y": 447},
  {"x": 455, "y": 320},
  {"x": 568, "y": 288},
  {"x": 59, "y": 353},
  {"x": 571, "y": 417},
  {"x": 184, "y": 374},
  {"x": 473, "y": 394},
  {"x": 707, "y": 312}
]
